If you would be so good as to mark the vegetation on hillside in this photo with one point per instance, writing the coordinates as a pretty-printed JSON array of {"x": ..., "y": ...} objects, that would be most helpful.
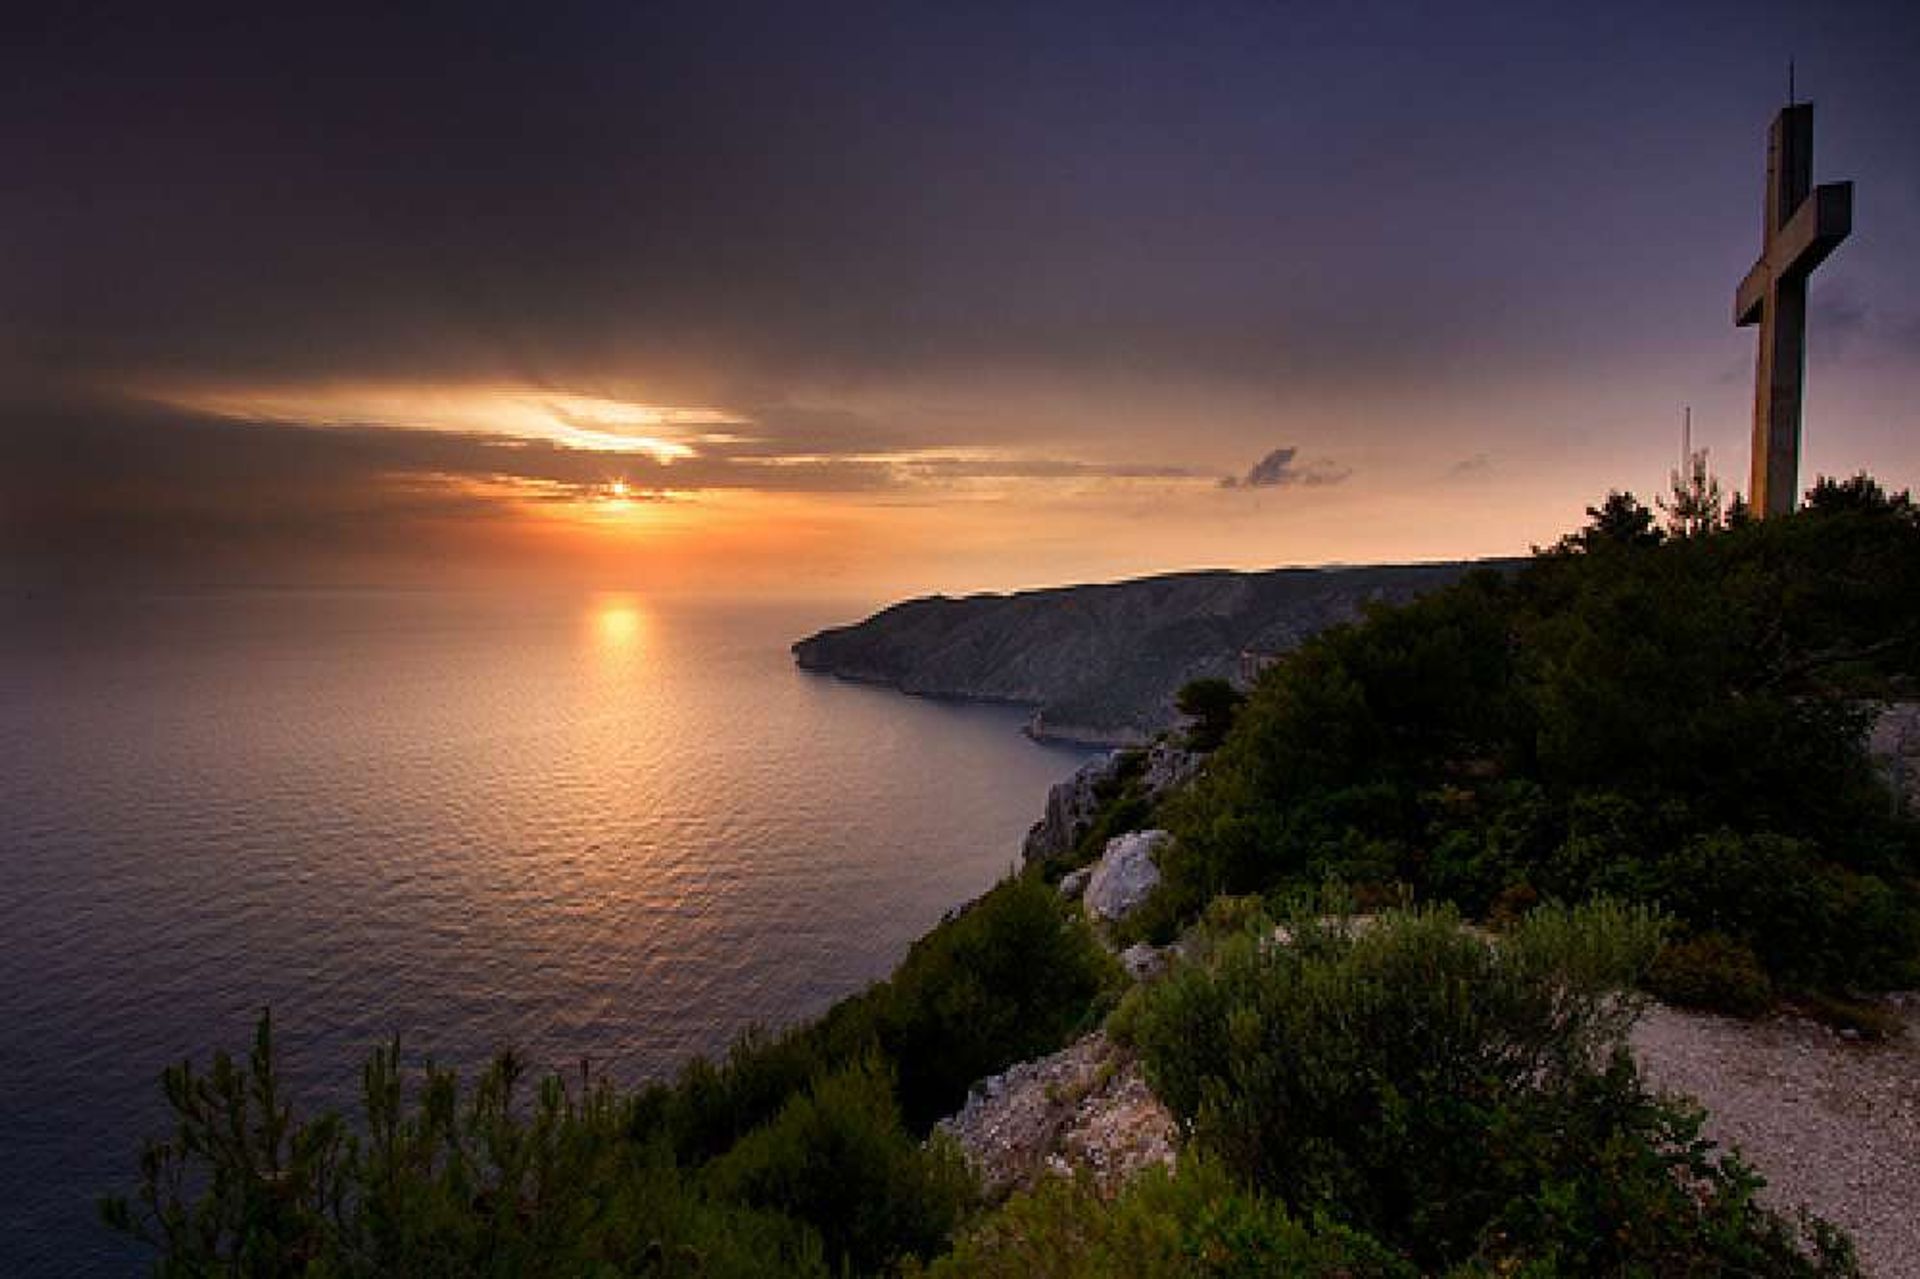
[
  {"x": 801, "y": 1153},
  {"x": 1638, "y": 760},
  {"x": 1408, "y": 1099},
  {"x": 1669, "y": 718}
]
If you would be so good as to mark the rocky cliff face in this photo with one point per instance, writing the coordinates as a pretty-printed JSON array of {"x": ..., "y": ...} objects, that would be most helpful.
[{"x": 1102, "y": 663}]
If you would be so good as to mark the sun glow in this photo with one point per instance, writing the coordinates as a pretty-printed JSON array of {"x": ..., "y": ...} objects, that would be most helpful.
[
  {"x": 617, "y": 623},
  {"x": 666, "y": 433}
]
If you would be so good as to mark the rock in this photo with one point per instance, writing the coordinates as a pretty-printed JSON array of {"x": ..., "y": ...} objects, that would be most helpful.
[
  {"x": 1894, "y": 744},
  {"x": 1071, "y": 806},
  {"x": 1125, "y": 874},
  {"x": 1142, "y": 961},
  {"x": 1074, "y": 884},
  {"x": 1086, "y": 1107},
  {"x": 1169, "y": 767}
]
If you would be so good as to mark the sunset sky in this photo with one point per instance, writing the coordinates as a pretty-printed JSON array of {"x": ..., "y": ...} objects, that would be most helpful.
[{"x": 880, "y": 300}]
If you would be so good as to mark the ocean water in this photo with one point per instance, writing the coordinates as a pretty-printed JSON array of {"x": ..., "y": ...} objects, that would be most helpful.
[{"x": 596, "y": 827}]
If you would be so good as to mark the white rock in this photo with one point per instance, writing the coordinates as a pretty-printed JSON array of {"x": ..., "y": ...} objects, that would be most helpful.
[
  {"x": 1071, "y": 806},
  {"x": 1142, "y": 961},
  {"x": 1125, "y": 874},
  {"x": 1893, "y": 742},
  {"x": 1074, "y": 883}
]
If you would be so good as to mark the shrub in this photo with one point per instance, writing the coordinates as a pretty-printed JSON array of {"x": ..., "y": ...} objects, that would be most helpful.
[
  {"x": 837, "y": 1158},
  {"x": 1193, "y": 1224},
  {"x": 434, "y": 1182},
  {"x": 1210, "y": 705},
  {"x": 1711, "y": 972},
  {"x": 1014, "y": 976},
  {"x": 1672, "y": 721},
  {"x": 1453, "y": 1099}
]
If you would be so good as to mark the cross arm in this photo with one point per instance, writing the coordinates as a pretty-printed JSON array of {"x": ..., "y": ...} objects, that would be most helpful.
[
  {"x": 1750, "y": 299},
  {"x": 1823, "y": 220},
  {"x": 1817, "y": 227}
]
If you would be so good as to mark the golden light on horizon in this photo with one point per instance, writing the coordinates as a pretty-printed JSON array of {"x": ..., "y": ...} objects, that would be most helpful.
[{"x": 593, "y": 423}]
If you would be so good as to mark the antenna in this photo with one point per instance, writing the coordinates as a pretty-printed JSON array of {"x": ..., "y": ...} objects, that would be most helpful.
[
  {"x": 1790, "y": 94},
  {"x": 1686, "y": 440}
]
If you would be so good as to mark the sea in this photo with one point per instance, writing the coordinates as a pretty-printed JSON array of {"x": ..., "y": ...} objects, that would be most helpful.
[{"x": 597, "y": 827}]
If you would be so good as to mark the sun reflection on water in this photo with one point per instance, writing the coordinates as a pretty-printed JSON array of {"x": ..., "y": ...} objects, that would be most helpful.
[{"x": 618, "y": 623}]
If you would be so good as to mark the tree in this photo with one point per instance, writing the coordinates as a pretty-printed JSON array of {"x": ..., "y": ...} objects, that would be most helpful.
[
  {"x": 1211, "y": 705},
  {"x": 1860, "y": 493},
  {"x": 1694, "y": 504},
  {"x": 1620, "y": 521}
]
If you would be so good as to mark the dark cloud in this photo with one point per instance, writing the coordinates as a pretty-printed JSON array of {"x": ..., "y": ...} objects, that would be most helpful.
[
  {"x": 766, "y": 193},
  {"x": 773, "y": 208},
  {"x": 1840, "y": 325},
  {"x": 1279, "y": 469},
  {"x": 119, "y": 485},
  {"x": 1471, "y": 467}
]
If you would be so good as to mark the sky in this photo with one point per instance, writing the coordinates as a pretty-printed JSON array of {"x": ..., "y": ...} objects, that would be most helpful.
[{"x": 878, "y": 300}]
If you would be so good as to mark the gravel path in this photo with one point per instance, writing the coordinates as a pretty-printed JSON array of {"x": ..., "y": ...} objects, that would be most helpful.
[{"x": 1831, "y": 1123}]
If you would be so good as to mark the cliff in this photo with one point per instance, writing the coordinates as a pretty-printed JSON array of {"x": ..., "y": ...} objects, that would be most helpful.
[{"x": 1101, "y": 664}]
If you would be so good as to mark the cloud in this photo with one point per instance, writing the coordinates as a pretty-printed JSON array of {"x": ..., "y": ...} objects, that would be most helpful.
[
  {"x": 127, "y": 483},
  {"x": 1278, "y": 469},
  {"x": 1842, "y": 327},
  {"x": 1470, "y": 467}
]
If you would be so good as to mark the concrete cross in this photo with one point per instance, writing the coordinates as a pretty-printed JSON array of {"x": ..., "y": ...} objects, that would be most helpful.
[{"x": 1802, "y": 226}]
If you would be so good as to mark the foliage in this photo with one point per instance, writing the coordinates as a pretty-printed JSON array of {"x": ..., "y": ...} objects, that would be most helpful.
[
  {"x": 1694, "y": 504},
  {"x": 1859, "y": 494},
  {"x": 837, "y": 1158},
  {"x": 1619, "y": 523},
  {"x": 1711, "y": 972},
  {"x": 433, "y": 1183},
  {"x": 1211, "y": 705},
  {"x": 1013, "y": 975},
  {"x": 797, "y": 1150},
  {"x": 1466, "y": 1104},
  {"x": 1674, "y": 720},
  {"x": 1193, "y": 1224}
]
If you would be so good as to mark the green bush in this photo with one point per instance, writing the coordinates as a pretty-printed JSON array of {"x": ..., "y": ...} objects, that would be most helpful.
[
  {"x": 790, "y": 1149},
  {"x": 1672, "y": 721},
  {"x": 1210, "y": 705},
  {"x": 1014, "y": 976},
  {"x": 837, "y": 1158},
  {"x": 1711, "y": 972},
  {"x": 1196, "y": 1224},
  {"x": 433, "y": 1182},
  {"x": 1457, "y": 1100}
]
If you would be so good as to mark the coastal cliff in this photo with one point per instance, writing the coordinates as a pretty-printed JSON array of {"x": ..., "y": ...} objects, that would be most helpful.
[{"x": 1101, "y": 664}]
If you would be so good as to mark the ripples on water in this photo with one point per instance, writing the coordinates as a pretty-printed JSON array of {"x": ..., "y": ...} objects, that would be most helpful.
[{"x": 590, "y": 827}]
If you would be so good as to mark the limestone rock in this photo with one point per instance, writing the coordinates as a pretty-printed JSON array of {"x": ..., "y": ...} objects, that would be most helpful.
[
  {"x": 1143, "y": 961},
  {"x": 1070, "y": 808},
  {"x": 1169, "y": 767},
  {"x": 1084, "y": 1107},
  {"x": 1125, "y": 874},
  {"x": 1073, "y": 885},
  {"x": 1072, "y": 804},
  {"x": 1894, "y": 744}
]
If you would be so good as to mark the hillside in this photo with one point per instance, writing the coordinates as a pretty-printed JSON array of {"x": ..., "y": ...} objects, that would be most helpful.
[{"x": 1102, "y": 663}]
